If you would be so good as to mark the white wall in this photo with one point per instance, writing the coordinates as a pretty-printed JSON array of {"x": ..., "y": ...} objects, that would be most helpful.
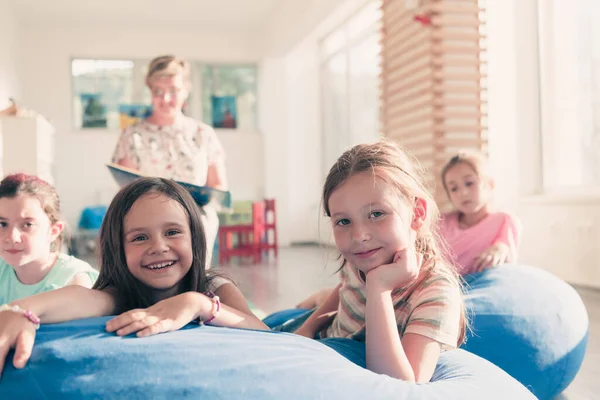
[
  {"x": 291, "y": 113},
  {"x": 561, "y": 233},
  {"x": 9, "y": 46},
  {"x": 513, "y": 100},
  {"x": 80, "y": 174},
  {"x": 282, "y": 162}
]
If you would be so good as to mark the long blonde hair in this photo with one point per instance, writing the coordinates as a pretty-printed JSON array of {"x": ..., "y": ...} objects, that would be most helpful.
[{"x": 393, "y": 165}]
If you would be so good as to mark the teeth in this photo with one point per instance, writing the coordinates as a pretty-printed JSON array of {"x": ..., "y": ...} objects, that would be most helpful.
[{"x": 161, "y": 265}]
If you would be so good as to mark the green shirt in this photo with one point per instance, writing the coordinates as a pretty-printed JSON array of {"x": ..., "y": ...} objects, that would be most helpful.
[{"x": 64, "y": 270}]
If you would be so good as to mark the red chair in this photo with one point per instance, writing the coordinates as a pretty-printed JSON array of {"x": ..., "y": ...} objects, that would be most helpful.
[
  {"x": 270, "y": 237},
  {"x": 243, "y": 240}
]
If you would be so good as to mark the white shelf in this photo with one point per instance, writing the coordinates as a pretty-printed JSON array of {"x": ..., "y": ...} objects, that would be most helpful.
[{"x": 26, "y": 145}]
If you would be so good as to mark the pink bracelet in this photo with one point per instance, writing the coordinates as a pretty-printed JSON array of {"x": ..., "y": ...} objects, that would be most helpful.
[
  {"x": 216, "y": 301},
  {"x": 27, "y": 313}
]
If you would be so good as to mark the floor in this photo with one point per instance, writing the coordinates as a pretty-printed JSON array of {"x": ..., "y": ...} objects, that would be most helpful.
[{"x": 298, "y": 271}]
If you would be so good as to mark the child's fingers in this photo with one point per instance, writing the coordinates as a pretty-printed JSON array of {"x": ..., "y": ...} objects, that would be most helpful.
[
  {"x": 137, "y": 325},
  {"x": 164, "y": 325},
  {"x": 306, "y": 304},
  {"x": 4, "y": 347},
  {"x": 478, "y": 263},
  {"x": 482, "y": 262},
  {"x": 496, "y": 260},
  {"x": 399, "y": 255},
  {"x": 23, "y": 348},
  {"x": 125, "y": 319},
  {"x": 488, "y": 262},
  {"x": 419, "y": 257}
]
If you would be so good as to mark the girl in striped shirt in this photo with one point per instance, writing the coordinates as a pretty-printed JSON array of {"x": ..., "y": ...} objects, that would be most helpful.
[{"x": 396, "y": 292}]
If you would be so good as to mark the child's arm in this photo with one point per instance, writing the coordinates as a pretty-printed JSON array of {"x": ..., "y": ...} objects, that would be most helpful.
[
  {"x": 504, "y": 246},
  {"x": 322, "y": 315},
  {"x": 175, "y": 312},
  {"x": 510, "y": 235},
  {"x": 65, "y": 304},
  {"x": 414, "y": 357},
  {"x": 68, "y": 303},
  {"x": 315, "y": 299},
  {"x": 81, "y": 279}
]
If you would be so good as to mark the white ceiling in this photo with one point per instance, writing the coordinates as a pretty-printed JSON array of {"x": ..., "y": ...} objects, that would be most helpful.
[{"x": 196, "y": 15}]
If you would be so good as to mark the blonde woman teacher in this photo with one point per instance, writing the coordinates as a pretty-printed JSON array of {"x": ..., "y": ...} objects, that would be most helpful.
[{"x": 170, "y": 145}]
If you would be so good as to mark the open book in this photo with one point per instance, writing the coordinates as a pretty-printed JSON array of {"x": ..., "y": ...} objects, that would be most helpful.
[{"x": 202, "y": 194}]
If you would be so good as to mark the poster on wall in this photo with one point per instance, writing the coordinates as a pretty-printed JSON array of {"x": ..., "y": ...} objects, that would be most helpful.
[
  {"x": 94, "y": 112},
  {"x": 129, "y": 114},
  {"x": 224, "y": 112}
]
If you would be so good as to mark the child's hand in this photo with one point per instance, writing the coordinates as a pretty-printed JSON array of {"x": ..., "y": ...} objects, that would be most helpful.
[
  {"x": 166, "y": 315},
  {"x": 315, "y": 299},
  {"x": 495, "y": 255},
  {"x": 404, "y": 268},
  {"x": 17, "y": 332},
  {"x": 303, "y": 331}
]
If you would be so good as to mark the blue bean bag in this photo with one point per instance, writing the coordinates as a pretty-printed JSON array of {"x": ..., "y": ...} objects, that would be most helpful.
[
  {"x": 529, "y": 323},
  {"x": 79, "y": 360},
  {"x": 523, "y": 319}
]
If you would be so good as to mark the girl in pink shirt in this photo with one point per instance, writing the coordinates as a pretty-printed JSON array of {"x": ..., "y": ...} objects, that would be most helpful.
[{"x": 477, "y": 237}]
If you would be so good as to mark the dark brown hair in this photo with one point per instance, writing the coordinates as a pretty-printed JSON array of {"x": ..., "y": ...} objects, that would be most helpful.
[
  {"x": 115, "y": 276},
  {"x": 30, "y": 185},
  {"x": 388, "y": 162}
]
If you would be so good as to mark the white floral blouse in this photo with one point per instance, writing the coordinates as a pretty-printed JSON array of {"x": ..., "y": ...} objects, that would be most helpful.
[{"x": 182, "y": 151}]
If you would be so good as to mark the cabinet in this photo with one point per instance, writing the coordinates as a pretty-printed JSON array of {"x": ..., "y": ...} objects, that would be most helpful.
[{"x": 27, "y": 145}]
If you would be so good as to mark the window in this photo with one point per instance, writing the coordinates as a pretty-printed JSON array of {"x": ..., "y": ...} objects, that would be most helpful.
[
  {"x": 570, "y": 95},
  {"x": 236, "y": 83},
  {"x": 350, "y": 67},
  {"x": 108, "y": 93},
  {"x": 99, "y": 86}
]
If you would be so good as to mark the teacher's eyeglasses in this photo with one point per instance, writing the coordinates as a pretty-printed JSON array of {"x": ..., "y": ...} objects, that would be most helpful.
[{"x": 159, "y": 92}]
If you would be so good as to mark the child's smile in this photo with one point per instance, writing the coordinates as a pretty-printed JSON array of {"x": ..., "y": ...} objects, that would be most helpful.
[
  {"x": 367, "y": 253},
  {"x": 370, "y": 221},
  {"x": 160, "y": 265},
  {"x": 158, "y": 244}
]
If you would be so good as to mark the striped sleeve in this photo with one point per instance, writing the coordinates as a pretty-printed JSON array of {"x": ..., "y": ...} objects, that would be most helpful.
[
  {"x": 436, "y": 312},
  {"x": 216, "y": 282}
]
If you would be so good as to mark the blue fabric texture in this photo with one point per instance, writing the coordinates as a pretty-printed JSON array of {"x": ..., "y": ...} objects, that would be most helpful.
[
  {"x": 80, "y": 360},
  {"x": 529, "y": 323},
  {"x": 287, "y": 320},
  {"x": 526, "y": 321}
]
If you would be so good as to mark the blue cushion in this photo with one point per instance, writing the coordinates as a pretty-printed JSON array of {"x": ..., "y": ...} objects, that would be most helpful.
[
  {"x": 79, "y": 360},
  {"x": 530, "y": 323},
  {"x": 91, "y": 217},
  {"x": 524, "y": 320}
]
